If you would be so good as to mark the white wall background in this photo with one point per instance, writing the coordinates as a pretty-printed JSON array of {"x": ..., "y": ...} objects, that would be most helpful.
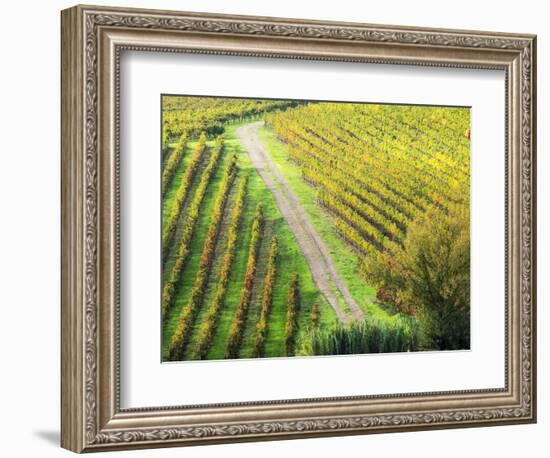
[{"x": 29, "y": 241}]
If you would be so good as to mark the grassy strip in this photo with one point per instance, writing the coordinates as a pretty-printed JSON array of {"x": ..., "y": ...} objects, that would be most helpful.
[
  {"x": 189, "y": 313},
  {"x": 292, "y": 306},
  {"x": 172, "y": 163},
  {"x": 170, "y": 229},
  {"x": 236, "y": 329},
  {"x": 208, "y": 327},
  {"x": 170, "y": 287},
  {"x": 267, "y": 299}
]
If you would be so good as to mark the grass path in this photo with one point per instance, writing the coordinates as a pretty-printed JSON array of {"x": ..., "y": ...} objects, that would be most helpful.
[
  {"x": 343, "y": 256},
  {"x": 317, "y": 255}
]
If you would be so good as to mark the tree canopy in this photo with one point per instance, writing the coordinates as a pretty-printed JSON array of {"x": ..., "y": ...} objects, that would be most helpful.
[{"x": 429, "y": 275}]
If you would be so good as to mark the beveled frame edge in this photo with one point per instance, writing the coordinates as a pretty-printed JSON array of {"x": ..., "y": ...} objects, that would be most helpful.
[{"x": 91, "y": 419}]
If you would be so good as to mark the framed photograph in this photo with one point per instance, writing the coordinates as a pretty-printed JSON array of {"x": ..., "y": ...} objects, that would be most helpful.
[{"x": 278, "y": 228}]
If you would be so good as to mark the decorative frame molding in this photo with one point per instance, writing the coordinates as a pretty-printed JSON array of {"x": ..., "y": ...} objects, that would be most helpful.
[{"x": 92, "y": 39}]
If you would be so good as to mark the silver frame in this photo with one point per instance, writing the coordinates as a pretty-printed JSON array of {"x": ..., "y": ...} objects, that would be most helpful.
[{"x": 92, "y": 40}]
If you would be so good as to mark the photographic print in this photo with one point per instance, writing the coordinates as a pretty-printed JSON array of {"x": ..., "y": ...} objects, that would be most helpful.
[
  {"x": 304, "y": 228},
  {"x": 349, "y": 198}
]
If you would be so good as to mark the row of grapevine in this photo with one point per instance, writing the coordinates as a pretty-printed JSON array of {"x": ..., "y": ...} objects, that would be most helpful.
[
  {"x": 315, "y": 316},
  {"x": 354, "y": 237},
  {"x": 392, "y": 210},
  {"x": 414, "y": 140},
  {"x": 208, "y": 327},
  {"x": 337, "y": 207},
  {"x": 189, "y": 312},
  {"x": 171, "y": 285},
  {"x": 292, "y": 306},
  {"x": 164, "y": 142},
  {"x": 391, "y": 126},
  {"x": 363, "y": 209},
  {"x": 440, "y": 127},
  {"x": 173, "y": 162},
  {"x": 376, "y": 168},
  {"x": 236, "y": 329},
  {"x": 385, "y": 226},
  {"x": 422, "y": 152},
  {"x": 395, "y": 190},
  {"x": 267, "y": 299},
  {"x": 169, "y": 230},
  {"x": 353, "y": 138}
]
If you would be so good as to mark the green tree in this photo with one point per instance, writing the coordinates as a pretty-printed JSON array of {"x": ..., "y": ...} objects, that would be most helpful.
[{"x": 429, "y": 275}]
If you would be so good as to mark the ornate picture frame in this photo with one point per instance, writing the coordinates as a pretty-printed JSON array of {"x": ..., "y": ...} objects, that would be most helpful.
[{"x": 92, "y": 40}]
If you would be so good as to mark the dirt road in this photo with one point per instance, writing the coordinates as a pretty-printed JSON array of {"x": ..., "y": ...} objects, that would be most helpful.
[{"x": 316, "y": 253}]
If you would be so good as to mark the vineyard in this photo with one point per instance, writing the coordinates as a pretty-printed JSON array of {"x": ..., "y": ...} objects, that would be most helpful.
[
  {"x": 375, "y": 177},
  {"x": 279, "y": 219},
  {"x": 193, "y": 115}
]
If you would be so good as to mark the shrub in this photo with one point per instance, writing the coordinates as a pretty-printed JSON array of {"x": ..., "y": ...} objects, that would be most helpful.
[
  {"x": 372, "y": 335},
  {"x": 429, "y": 276}
]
